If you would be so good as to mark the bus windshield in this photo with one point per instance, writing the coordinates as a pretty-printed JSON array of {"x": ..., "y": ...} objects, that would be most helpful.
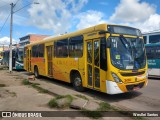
[
  {"x": 127, "y": 53},
  {"x": 20, "y": 56}
]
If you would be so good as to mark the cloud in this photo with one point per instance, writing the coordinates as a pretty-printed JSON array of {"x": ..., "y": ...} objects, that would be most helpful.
[
  {"x": 151, "y": 24},
  {"x": 132, "y": 11},
  {"x": 89, "y": 18},
  {"x": 19, "y": 20},
  {"x": 137, "y": 14},
  {"x": 6, "y": 41},
  {"x": 54, "y": 15},
  {"x": 74, "y": 5},
  {"x": 5, "y": 10}
]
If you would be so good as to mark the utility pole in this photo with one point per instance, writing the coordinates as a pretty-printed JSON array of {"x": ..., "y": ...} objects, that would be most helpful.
[
  {"x": 11, "y": 24},
  {"x": 10, "y": 55}
]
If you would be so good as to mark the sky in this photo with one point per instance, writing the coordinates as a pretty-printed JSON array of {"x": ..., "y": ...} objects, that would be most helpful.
[{"x": 54, "y": 17}]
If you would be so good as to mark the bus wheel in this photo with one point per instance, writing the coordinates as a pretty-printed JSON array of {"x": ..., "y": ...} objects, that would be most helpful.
[
  {"x": 36, "y": 73},
  {"x": 77, "y": 83}
]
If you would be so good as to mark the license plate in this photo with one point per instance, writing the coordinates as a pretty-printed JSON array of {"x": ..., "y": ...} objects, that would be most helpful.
[{"x": 136, "y": 88}]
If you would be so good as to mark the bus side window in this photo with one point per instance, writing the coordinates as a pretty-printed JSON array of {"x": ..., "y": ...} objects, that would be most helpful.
[
  {"x": 103, "y": 56},
  {"x": 76, "y": 47},
  {"x": 150, "y": 51},
  {"x": 34, "y": 51},
  {"x": 61, "y": 48},
  {"x": 41, "y": 50}
]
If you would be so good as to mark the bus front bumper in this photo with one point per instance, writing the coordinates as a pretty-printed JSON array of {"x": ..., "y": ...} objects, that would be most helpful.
[{"x": 113, "y": 88}]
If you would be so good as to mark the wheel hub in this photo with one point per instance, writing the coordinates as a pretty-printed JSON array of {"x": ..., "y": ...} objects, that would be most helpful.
[{"x": 77, "y": 82}]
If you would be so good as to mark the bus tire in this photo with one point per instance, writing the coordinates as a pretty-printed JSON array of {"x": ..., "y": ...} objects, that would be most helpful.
[
  {"x": 77, "y": 83},
  {"x": 36, "y": 73}
]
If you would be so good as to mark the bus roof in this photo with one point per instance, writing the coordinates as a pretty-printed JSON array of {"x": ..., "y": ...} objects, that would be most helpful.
[
  {"x": 153, "y": 44},
  {"x": 79, "y": 32},
  {"x": 76, "y": 33}
]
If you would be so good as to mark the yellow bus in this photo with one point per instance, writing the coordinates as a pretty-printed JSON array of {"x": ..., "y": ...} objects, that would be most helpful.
[
  {"x": 1, "y": 56},
  {"x": 106, "y": 58}
]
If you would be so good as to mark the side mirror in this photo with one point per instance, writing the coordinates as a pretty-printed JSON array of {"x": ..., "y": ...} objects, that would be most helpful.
[{"x": 108, "y": 44}]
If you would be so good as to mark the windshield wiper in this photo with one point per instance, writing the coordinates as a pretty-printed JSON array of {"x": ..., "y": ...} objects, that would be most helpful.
[
  {"x": 126, "y": 43},
  {"x": 128, "y": 46}
]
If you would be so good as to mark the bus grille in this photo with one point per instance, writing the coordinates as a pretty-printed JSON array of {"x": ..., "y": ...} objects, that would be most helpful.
[
  {"x": 133, "y": 74},
  {"x": 132, "y": 87}
]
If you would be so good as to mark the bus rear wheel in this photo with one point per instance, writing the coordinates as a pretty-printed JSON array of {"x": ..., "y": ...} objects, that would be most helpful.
[
  {"x": 77, "y": 83},
  {"x": 36, "y": 73}
]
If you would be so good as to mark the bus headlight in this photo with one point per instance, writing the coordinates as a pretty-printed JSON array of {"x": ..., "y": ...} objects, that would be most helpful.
[{"x": 116, "y": 78}]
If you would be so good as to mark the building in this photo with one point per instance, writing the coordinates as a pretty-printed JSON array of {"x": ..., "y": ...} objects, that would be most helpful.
[
  {"x": 151, "y": 37},
  {"x": 3, "y": 48},
  {"x": 30, "y": 38}
]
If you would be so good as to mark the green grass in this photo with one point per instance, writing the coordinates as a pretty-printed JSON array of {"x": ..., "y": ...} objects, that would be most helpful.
[
  {"x": 82, "y": 96},
  {"x": 103, "y": 106},
  {"x": 26, "y": 82},
  {"x": 53, "y": 103},
  {"x": 41, "y": 90},
  {"x": 2, "y": 85},
  {"x": 35, "y": 85},
  {"x": 65, "y": 96}
]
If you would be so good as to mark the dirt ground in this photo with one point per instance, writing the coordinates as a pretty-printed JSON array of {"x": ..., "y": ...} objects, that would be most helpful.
[{"x": 14, "y": 96}]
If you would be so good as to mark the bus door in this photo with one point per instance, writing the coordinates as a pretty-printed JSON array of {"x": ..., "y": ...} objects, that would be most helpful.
[
  {"x": 49, "y": 60},
  {"x": 93, "y": 63},
  {"x": 28, "y": 60}
]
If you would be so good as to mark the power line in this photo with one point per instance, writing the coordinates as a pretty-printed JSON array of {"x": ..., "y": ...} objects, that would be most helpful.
[
  {"x": 7, "y": 16},
  {"x": 21, "y": 8},
  {"x": 4, "y": 22},
  {"x": 25, "y": 6},
  {"x": 16, "y": 3}
]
